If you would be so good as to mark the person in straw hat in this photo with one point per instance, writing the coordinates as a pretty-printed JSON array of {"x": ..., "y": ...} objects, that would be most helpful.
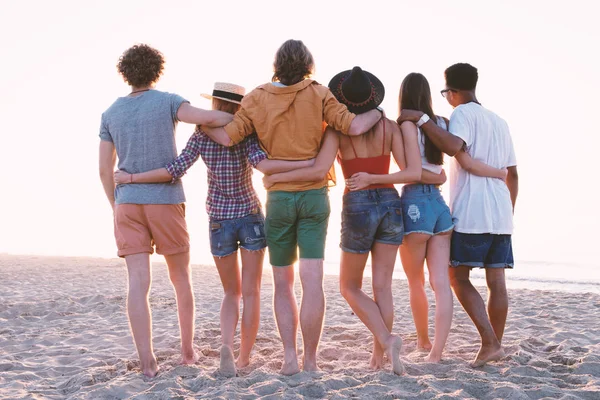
[
  {"x": 372, "y": 213},
  {"x": 235, "y": 219},
  {"x": 287, "y": 115}
]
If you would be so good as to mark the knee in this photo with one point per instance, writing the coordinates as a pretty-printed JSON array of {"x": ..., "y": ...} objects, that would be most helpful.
[
  {"x": 457, "y": 282},
  {"x": 497, "y": 287},
  {"x": 348, "y": 290},
  {"x": 382, "y": 289},
  {"x": 234, "y": 291},
  {"x": 251, "y": 291}
]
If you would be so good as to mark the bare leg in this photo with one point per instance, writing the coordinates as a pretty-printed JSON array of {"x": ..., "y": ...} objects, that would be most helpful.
[
  {"x": 383, "y": 258},
  {"x": 412, "y": 254},
  {"x": 497, "y": 300},
  {"x": 471, "y": 300},
  {"x": 351, "y": 274},
  {"x": 138, "y": 310},
  {"x": 312, "y": 310},
  {"x": 286, "y": 316},
  {"x": 438, "y": 255},
  {"x": 181, "y": 278},
  {"x": 252, "y": 263},
  {"x": 230, "y": 309}
]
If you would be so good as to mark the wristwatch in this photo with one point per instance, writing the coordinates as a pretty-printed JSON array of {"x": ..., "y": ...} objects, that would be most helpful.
[{"x": 423, "y": 120}]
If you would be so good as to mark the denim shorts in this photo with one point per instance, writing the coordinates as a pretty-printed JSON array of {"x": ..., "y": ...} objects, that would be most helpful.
[
  {"x": 246, "y": 232},
  {"x": 425, "y": 210},
  {"x": 368, "y": 216},
  {"x": 482, "y": 250}
]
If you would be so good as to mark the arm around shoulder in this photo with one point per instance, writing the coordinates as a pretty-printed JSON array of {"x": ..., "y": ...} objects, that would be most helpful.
[{"x": 198, "y": 116}]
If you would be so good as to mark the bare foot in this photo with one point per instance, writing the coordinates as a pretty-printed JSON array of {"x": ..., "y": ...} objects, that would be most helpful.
[
  {"x": 392, "y": 349},
  {"x": 424, "y": 344},
  {"x": 376, "y": 362},
  {"x": 487, "y": 354},
  {"x": 310, "y": 366},
  {"x": 433, "y": 358},
  {"x": 227, "y": 366},
  {"x": 290, "y": 366},
  {"x": 242, "y": 362},
  {"x": 188, "y": 358},
  {"x": 151, "y": 368}
]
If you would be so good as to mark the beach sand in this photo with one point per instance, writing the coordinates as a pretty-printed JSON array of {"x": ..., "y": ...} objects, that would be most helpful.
[{"x": 64, "y": 334}]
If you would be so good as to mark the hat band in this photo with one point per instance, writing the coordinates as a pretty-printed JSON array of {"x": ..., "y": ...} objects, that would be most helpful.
[
  {"x": 349, "y": 102},
  {"x": 227, "y": 95}
]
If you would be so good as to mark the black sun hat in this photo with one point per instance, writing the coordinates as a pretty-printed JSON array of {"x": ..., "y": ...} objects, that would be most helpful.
[{"x": 360, "y": 90}]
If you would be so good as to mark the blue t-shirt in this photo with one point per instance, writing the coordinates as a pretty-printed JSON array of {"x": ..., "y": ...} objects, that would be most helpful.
[{"x": 142, "y": 129}]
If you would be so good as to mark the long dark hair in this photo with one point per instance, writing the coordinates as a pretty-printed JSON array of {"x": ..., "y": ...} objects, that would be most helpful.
[{"x": 415, "y": 94}]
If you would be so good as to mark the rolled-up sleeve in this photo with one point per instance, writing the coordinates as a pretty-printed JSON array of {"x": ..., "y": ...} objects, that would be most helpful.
[
  {"x": 336, "y": 114},
  {"x": 256, "y": 154},
  {"x": 189, "y": 155},
  {"x": 242, "y": 125}
]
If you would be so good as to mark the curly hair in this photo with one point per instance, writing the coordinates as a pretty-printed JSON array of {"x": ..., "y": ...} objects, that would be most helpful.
[
  {"x": 141, "y": 65},
  {"x": 461, "y": 76},
  {"x": 293, "y": 62}
]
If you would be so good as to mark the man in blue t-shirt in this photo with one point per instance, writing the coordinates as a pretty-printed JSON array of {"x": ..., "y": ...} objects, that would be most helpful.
[{"x": 139, "y": 129}]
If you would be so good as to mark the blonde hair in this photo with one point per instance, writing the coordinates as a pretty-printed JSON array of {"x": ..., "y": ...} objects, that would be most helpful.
[{"x": 293, "y": 62}]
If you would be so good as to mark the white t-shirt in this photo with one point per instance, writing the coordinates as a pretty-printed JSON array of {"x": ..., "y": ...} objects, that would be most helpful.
[
  {"x": 436, "y": 169},
  {"x": 481, "y": 205}
]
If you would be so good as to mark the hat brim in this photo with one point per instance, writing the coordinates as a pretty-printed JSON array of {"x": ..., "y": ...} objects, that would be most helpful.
[
  {"x": 210, "y": 97},
  {"x": 334, "y": 86}
]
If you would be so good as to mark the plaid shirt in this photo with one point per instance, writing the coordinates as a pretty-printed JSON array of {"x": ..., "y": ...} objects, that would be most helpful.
[{"x": 230, "y": 191}]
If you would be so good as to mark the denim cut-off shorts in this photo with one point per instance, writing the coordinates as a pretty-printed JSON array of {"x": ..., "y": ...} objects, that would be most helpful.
[
  {"x": 481, "y": 250},
  {"x": 425, "y": 210},
  {"x": 368, "y": 216},
  {"x": 248, "y": 232}
]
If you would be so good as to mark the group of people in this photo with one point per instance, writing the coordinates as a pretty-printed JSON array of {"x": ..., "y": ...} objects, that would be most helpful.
[{"x": 292, "y": 129}]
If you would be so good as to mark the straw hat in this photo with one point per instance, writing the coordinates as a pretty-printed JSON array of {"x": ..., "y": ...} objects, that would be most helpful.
[
  {"x": 360, "y": 90},
  {"x": 228, "y": 92}
]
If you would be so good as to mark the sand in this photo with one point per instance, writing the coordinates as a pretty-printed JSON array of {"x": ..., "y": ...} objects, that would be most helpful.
[{"x": 64, "y": 334}]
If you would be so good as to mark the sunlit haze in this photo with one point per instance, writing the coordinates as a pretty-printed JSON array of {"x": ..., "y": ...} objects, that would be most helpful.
[{"x": 537, "y": 66}]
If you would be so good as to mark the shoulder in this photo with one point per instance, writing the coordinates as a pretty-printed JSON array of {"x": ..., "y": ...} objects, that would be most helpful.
[
  {"x": 320, "y": 89},
  {"x": 408, "y": 126}
]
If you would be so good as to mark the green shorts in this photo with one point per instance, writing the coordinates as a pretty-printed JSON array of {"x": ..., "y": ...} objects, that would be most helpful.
[{"x": 296, "y": 219}]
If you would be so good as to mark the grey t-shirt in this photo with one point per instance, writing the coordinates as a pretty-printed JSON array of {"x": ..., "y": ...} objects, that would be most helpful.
[{"x": 142, "y": 129}]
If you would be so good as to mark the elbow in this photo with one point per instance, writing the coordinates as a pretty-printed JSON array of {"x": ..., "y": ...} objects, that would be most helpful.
[
  {"x": 416, "y": 175},
  {"x": 454, "y": 149},
  {"x": 106, "y": 173}
]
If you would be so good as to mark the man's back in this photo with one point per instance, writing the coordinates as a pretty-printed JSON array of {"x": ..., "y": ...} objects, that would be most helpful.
[
  {"x": 481, "y": 205},
  {"x": 142, "y": 129}
]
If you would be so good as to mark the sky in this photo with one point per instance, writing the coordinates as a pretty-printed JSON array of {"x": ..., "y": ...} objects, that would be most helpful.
[{"x": 537, "y": 66}]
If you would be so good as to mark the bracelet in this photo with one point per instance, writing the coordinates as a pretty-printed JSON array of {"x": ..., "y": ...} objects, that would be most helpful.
[{"x": 423, "y": 120}]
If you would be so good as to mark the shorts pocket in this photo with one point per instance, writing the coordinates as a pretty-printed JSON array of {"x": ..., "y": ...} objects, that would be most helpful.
[
  {"x": 414, "y": 211},
  {"x": 355, "y": 224},
  {"x": 395, "y": 220}
]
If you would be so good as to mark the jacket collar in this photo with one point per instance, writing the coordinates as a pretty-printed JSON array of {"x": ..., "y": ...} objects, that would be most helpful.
[{"x": 269, "y": 87}]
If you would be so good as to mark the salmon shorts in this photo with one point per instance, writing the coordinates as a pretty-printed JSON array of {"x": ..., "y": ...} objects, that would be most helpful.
[{"x": 141, "y": 227}]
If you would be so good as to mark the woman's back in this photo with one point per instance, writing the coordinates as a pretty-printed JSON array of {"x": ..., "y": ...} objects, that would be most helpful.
[{"x": 369, "y": 152}]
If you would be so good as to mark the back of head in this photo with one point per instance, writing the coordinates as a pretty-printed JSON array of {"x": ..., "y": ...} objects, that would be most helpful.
[
  {"x": 461, "y": 76},
  {"x": 141, "y": 65},
  {"x": 293, "y": 63},
  {"x": 225, "y": 106},
  {"x": 415, "y": 94}
]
